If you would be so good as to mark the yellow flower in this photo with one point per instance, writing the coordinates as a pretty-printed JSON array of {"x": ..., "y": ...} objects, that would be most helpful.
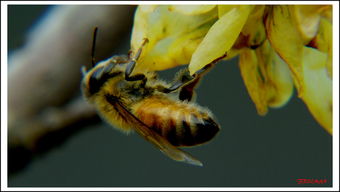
[{"x": 279, "y": 47}]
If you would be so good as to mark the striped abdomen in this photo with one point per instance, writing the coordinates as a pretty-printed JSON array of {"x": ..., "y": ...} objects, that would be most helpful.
[{"x": 180, "y": 123}]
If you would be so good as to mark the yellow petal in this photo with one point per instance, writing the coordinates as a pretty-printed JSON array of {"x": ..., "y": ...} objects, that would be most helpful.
[
  {"x": 266, "y": 76},
  {"x": 307, "y": 18},
  {"x": 276, "y": 75},
  {"x": 220, "y": 37},
  {"x": 283, "y": 86},
  {"x": 147, "y": 8},
  {"x": 327, "y": 13},
  {"x": 286, "y": 41},
  {"x": 253, "y": 32},
  {"x": 318, "y": 87},
  {"x": 223, "y": 9},
  {"x": 173, "y": 36},
  {"x": 253, "y": 81},
  {"x": 192, "y": 9},
  {"x": 329, "y": 65},
  {"x": 324, "y": 42}
]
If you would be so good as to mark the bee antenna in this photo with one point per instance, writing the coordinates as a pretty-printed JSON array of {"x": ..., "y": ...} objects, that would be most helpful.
[{"x": 94, "y": 46}]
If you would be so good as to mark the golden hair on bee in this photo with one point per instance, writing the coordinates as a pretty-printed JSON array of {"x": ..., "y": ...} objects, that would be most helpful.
[{"x": 141, "y": 102}]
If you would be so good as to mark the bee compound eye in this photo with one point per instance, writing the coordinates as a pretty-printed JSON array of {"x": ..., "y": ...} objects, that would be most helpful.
[{"x": 99, "y": 77}]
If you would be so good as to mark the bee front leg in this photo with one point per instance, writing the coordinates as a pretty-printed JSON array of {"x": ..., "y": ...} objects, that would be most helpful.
[
  {"x": 131, "y": 65},
  {"x": 136, "y": 77},
  {"x": 129, "y": 68},
  {"x": 120, "y": 59}
]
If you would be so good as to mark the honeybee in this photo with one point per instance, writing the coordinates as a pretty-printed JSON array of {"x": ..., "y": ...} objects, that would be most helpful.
[{"x": 161, "y": 113}]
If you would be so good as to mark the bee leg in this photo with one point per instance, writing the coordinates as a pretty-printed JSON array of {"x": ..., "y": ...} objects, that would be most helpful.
[
  {"x": 187, "y": 83},
  {"x": 131, "y": 65},
  {"x": 187, "y": 89},
  {"x": 120, "y": 59},
  {"x": 182, "y": 77},
  {"x": 129, "y": 68},
  {"x": 136, "y": 77}
]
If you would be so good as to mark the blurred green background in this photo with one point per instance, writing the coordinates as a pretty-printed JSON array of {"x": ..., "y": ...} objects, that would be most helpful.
[{"x": 250, "y": 150}]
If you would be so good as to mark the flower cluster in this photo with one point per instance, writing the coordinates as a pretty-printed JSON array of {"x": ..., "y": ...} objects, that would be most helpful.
[{"x": 279, "y": 47}]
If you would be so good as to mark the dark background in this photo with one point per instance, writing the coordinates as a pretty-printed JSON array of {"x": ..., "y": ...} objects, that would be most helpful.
[{"x": 250, "y": 150}]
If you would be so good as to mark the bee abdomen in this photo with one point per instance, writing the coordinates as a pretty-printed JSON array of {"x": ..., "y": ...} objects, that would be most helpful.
[
  {"x": 181, "y": 124},
  {"x": 192, "y": 132}
]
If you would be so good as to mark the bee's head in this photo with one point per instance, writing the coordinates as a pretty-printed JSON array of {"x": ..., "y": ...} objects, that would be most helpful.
[
  {"x": 111, "y": 70},
  {"x": 95, "y": 78},
  {"x": 98, "y": 74}
]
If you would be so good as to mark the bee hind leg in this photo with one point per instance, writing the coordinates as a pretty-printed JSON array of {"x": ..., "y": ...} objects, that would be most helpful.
[
  {"x": 187, "y": 88},
  {"x": 187, "y": 91},
  {"x": 187, "y": 83},
  {"x": 183, "y": 82}
]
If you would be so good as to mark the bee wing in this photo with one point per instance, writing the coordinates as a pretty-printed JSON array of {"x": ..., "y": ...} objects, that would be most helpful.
[{"x": 154, "y": 138}]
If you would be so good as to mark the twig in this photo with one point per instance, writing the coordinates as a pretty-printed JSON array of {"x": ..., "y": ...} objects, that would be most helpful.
[{"x": 44, "y": 75}]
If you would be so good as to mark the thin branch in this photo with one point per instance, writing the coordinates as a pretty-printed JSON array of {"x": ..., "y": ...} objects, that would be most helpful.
[{"x": 44, "y": 75}]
